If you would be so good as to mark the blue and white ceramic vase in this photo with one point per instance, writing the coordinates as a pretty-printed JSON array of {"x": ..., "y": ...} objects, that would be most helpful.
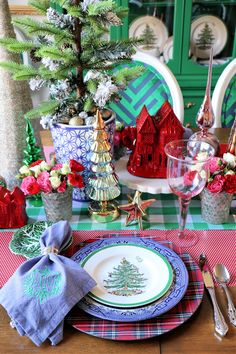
[{"x": 74, "y": 142}]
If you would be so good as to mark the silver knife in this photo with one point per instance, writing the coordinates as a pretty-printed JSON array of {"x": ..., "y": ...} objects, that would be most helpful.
[{"x": 221, "y": 326}]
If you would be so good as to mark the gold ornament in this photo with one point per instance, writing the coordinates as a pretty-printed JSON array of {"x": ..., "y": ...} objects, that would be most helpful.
[
  {"x": 136, "y": 209},
  {"x": 76, "y": 121}
]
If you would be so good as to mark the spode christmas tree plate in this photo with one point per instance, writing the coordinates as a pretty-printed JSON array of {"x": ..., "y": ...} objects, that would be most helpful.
[
  {"x": 153, "y": 32},
  {"x": 153, "y": 309},
  {"x": 25, "y": 241},
  {"x": 128, "y": 275},
  {"x": 208, "y": 31}
]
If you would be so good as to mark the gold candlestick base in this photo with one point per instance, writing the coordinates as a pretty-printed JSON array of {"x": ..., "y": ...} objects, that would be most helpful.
[{"x": 103, "y": 211}]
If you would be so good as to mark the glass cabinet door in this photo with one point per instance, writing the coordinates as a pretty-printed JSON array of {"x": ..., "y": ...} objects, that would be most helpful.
[
  {"x": 212, "y": 24},
  {"x": 153, "y": 23}
]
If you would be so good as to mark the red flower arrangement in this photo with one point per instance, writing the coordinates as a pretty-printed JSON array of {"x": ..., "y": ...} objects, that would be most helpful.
[
  {"x": 54, "y": 178},
  {"x": 222, "y": 174}
]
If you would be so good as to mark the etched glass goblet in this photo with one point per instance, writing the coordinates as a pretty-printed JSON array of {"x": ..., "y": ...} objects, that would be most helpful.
[{"x": 187, "y": 173}]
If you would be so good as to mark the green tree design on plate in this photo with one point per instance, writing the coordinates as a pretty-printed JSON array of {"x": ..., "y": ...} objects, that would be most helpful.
[
  {"x": 148, "y": 37},
  {"x": 125, "y": 280},
  {"x": 205, "y": 38}
]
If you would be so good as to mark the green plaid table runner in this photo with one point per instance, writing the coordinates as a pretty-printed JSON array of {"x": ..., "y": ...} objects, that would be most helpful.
[{"x": 163, "y": 214}]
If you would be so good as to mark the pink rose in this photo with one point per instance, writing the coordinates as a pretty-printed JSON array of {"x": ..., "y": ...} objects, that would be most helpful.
[
  {"x": 216, "y": 186},
  {"x": 215, "y": 164},
  {"x": 62, "y": 187},
  {"x": 44, "y": 182},
  {"x": 30, "y": 186}
]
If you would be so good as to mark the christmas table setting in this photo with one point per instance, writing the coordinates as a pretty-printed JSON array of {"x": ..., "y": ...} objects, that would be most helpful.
[{"x": 86, "y": 259}]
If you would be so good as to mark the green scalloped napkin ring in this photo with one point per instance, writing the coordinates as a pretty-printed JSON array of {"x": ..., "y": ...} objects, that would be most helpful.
[{"x": 25, "y": 241}]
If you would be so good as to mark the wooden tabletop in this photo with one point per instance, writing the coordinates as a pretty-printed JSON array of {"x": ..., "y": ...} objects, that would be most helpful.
[{"x": 196, "y": 336}]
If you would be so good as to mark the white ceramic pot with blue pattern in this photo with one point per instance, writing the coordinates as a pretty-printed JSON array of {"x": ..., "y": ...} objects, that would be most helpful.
[{"x": 74, "y": 142}]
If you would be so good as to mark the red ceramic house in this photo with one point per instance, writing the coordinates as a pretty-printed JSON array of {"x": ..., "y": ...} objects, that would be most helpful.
[{"x": 148, "y": 158}]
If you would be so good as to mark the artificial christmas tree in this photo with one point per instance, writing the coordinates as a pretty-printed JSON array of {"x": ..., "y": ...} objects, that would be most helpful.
[
  {"x": 74, "y": 59},
  {"x": 79, "y": 65},
  {"x": 102, "y": 184}
]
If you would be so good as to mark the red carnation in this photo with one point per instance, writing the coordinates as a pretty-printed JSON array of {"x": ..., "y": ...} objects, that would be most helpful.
[
  {"x": 230, "y": 184},
  {"x": 75, "y": 180},
  {"x": 35, "y": 163},
  {"x": 217, "y": 185},
  {"x": 75, "y": 166},
  {"x": 30, "y": 186}
]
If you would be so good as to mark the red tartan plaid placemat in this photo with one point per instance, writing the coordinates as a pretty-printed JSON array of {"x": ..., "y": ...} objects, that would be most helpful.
[{"x": 149, "y": 328}]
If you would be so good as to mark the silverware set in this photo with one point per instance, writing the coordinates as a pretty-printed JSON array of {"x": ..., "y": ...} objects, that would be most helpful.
[{"x": 222, "y": 276}]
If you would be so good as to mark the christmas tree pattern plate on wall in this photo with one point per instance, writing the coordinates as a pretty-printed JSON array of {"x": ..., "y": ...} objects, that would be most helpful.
[
  {"x": 128, "y": 275},
  {"x": 153, "y": 309},
  {"x": 207, "y": 31},
  {"x": 25, "y": 241}
]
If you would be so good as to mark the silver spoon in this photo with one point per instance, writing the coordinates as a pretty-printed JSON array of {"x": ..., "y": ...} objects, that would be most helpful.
[{"x": 222, "y": 276}]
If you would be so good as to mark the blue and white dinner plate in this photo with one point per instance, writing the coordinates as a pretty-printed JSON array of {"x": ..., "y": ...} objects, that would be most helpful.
[{"x": 170, "y": 298}]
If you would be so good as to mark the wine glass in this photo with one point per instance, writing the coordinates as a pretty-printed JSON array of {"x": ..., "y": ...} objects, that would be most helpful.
[{"x": 187, "y": 173}]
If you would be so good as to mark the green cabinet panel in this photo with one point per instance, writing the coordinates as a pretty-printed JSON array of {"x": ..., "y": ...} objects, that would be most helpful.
[{"x": 192, "y": 27}]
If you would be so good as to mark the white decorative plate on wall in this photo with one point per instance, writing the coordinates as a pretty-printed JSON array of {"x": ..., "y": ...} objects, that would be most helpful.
[
  {"x": 207, "y": 31},
  {"x": 152, "y": 30}
]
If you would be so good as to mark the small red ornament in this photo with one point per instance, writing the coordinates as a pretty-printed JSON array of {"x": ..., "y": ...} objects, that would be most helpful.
[
  {"x": 12, "y": 208},
  {"x": 148, "y": 158}
]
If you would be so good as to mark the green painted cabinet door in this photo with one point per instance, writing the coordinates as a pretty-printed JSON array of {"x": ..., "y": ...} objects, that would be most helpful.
[{"x": 180, "y": 35}]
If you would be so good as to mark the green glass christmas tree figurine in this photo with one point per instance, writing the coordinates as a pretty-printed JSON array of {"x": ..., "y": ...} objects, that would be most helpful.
[
  {"x": 103, "y": 183},
  {"x": 32, "y": 152}
]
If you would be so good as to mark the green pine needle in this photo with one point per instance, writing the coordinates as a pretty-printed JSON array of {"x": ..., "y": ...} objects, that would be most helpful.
[
  {"x": 92, "y": 86},
  {"x": 54, "y": 53},
  {"x": 74, "y": 11},
  {"x": 88, "y": 104},
  {"x": 44, "y": 28},
  {"x": 44, "y": 109},
  {"x": 40, "y": 5},
  {"x": 14, "y": 67},
  {"x": 13, "y": 45},
  {"x": 124, "y": 75},
  {"x": 26, "y": 74},
  {"x": 100, "y": 7}
]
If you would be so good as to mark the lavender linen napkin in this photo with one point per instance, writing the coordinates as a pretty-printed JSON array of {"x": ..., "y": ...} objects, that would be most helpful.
[{"x": 45, "y": 288}]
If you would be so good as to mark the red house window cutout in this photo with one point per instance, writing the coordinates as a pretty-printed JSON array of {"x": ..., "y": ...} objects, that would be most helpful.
[{"x": 148, "y": 158}]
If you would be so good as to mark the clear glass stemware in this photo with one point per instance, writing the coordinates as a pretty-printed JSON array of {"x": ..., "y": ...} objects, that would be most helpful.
[{"x": 187, "y": 173}]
